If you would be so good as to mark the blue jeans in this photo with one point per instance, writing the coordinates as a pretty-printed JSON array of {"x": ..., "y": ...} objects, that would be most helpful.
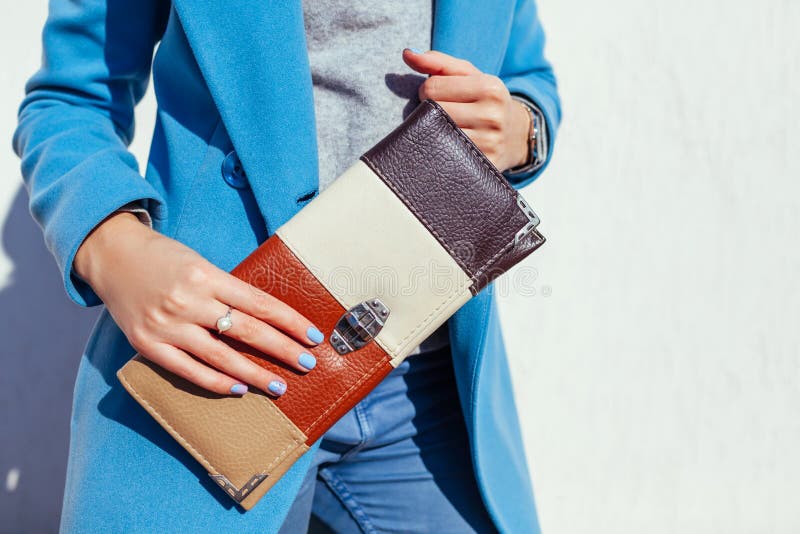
[{"x": 397, "y": 462}]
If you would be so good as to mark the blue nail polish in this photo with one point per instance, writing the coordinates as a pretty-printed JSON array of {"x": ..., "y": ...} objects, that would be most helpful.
[
  {"x": 314, "y": 334},
  {"x": 238, "y": 389},
  {"x": 307, "y": 360},
  {"x": 277, "y": 387},
  {"x": 416, "y": 50}
]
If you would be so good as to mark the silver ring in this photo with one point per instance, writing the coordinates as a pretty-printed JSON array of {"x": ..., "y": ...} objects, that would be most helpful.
[{"x": 225, "y": 323}]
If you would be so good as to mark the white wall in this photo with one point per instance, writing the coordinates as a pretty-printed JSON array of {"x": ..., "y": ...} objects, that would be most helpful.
[
  {"x": 42, "y": 333},
  {"x": 656, "y": 367},
  {"x": 661, "y": 379}
]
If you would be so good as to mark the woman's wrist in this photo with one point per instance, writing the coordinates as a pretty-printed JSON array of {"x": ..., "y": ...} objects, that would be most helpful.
[
  {"x": 520, "y": 135},
  {"x": 100, "y": 244}
]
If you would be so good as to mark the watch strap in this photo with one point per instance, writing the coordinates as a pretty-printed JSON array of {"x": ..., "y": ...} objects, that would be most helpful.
[{"x": 538, "y": 147}]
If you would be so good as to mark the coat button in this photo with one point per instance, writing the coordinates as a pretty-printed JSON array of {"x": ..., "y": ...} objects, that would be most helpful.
[{"x": 233, "y": 172}]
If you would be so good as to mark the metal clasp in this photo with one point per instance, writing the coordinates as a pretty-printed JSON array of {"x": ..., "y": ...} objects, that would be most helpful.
[
  {"x": 533, "y": 220},
  {"x": 359, "y": 325},
  {"x": 238, "y": 494}
]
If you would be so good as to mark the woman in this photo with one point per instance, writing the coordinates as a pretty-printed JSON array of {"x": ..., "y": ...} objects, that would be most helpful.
[{"x": 239, "y": 84}]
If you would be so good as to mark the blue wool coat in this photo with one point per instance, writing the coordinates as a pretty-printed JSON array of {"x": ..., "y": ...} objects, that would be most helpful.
[{"x": 228, "y": 75}]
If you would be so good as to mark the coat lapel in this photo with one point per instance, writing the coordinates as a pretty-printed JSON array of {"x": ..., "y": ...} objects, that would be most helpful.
[{"x": 253, "y": 56}]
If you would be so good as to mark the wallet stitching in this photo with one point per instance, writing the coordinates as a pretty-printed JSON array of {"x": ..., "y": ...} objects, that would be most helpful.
[
  {"x": 493, "y": 171},
  {"x": 401, "y": 344},
  {"x": 294, "y": 442},
  {"x": 294, "y": 250},
  {"x": 291, "y": 446},
  {"x": 338, "y": 401},
  {"x": 435, "y": 313},
  {"x": 494, "y": 258}
]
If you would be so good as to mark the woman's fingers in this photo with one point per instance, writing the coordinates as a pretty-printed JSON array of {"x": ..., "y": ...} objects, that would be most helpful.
[
  {"x": 433, "y": 62},
  {"x": 263, "y": 337},
  {"x": 489, "y": 142},
  {"x": 261, "y": 305},
  {"x": 479, "y": 103},
  {"x": 167, "y": 304},
  {"x": 216, "y": 353},
  {"x": 464, "y": 115},
  {"x": 454, "y": 88},
  {"x": 179, "y": 362}
]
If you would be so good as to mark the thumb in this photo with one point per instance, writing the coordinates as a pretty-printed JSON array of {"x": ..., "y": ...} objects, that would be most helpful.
[{"x": 437, "y": 63}]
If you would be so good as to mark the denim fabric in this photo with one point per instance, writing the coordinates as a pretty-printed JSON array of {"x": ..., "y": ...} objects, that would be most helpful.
[{"x": 398, "y": 462}]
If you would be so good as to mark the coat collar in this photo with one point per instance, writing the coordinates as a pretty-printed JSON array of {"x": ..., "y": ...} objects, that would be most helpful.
[{"x": 254, "y": 59}]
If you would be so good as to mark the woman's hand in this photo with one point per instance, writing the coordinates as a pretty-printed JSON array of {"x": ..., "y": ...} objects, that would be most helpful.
[
  {"x": 166, "y": 298},
  {"x": 479, "y": 103}
]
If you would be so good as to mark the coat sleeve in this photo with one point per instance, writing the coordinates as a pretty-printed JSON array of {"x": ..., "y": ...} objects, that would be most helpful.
[
  {"x": 77, "y": 120},
  {"x": 526, "y": 72}
]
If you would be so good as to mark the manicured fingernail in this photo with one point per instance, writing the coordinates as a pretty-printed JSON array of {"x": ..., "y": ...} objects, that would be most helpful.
[
  {"x": 277, "y": 387},
  {"x": 415, "y": 50},
  {"x": 307, "y": 360},
  {"x": 238, "y": 389},
  {"x": 314, "y": 334}
]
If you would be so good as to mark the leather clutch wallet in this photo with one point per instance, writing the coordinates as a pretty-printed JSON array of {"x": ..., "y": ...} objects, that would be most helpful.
[{"x": 378, "y": 261}]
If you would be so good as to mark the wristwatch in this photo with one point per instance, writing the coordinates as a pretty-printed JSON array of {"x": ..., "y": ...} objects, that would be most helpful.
[{"x": 537, "y": 140}]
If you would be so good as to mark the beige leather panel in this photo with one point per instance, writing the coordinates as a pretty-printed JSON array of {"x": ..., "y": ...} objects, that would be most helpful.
[
  {"x": 276, "y": 472},
  {"x": 240, "y": 437},
  {"x": 361, "y": 241}
]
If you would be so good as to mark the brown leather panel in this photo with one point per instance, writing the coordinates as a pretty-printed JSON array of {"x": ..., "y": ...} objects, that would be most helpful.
[
  {"x": 510, "y": 257},
  {"x": 450, "y": 185},
  {"x": 317, "y": 399}
]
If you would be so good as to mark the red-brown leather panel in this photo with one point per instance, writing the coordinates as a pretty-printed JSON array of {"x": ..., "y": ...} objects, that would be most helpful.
[{"x": 314, "y": 401}]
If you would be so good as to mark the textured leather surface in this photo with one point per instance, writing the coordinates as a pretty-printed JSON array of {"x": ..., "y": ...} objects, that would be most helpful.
[
  {"x": 464, "y": 212},
  {"x": 237, "y": 437},
  {"x": 316, "y": 400},
  {"x": 370, "y": 245},
  {"x": 450, "y": 185}
]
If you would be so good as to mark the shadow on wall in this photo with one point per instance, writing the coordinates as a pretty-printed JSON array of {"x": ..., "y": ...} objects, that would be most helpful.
[{"x": 42, "y": 336}]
